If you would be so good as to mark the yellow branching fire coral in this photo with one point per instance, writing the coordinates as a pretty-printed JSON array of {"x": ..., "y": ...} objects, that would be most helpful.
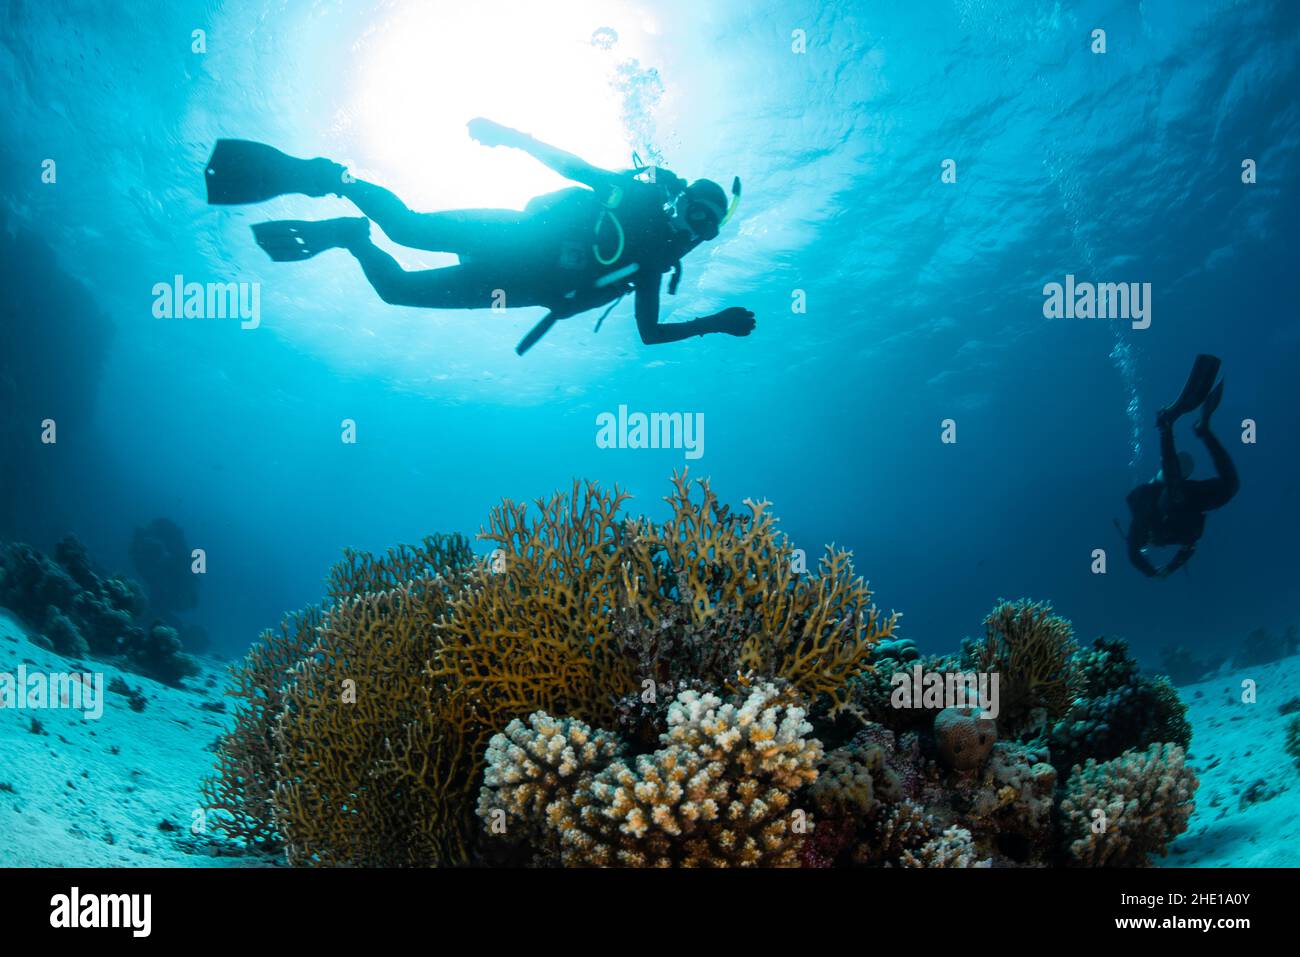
[
  {"x": 720, "y": 792},
  {"x": 370, "y": 753},
  {"x": 533, "y": 629},
  {"x": 707, "y": 565},
  {"x": 339, "y": 743},
  {"x": 1032, "y": 650},
  {"x": 242, "y": 793}
]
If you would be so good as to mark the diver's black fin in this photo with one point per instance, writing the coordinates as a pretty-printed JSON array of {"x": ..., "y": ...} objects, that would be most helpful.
[
  {"x": 292, "y": 240},
  {"x": 535, "y": 334},
  {"x": 1209, "y": 405},
  {"x": 242, "y": 171},
  {"x": 1199, "y": 383}
]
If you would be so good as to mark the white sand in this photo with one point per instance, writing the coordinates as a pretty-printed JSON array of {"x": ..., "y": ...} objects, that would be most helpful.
[
  {"x": 75, "y": 802},
  {"x": 1237, "y": 748}
]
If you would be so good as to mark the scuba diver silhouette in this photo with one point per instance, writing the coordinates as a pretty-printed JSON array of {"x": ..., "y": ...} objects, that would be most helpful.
[
  {"x": 570, "y": 251},
  {"x": 1170, "y": 509}
]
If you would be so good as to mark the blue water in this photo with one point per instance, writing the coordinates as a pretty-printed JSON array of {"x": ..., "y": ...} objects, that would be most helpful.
[{"x": 924, "y": 298}]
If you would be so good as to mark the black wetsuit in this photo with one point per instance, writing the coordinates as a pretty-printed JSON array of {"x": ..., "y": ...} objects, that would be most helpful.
[
  {"x": 1172, "y": 511},
  {"x": 571, "y": 250}
]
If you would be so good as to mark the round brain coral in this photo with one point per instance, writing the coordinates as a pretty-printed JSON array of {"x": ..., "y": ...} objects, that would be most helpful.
[{"x": 964, "y": 738}]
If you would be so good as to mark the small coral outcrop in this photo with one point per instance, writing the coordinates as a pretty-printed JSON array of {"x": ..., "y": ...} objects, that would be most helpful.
[
  {"x": 720, "y": 791},
  {"x": 532, "y": 766},
  {"x": 965, "y": 738},
  {"x": 75, "y": 611},
  {"x": 952, "y": 848},
  {"x": 1292, "y": 743},
  {"x": 1117, "y": 709},
  {"x": 1120, "y": 813},
  {"x": 1031, "y": 649}
]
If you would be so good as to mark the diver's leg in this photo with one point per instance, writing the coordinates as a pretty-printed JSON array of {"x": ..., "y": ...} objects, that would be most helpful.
[
  {"x": 1169, "y": 464},
  {"x": 1215, "y": 493},
  {"x": 454, "y": 287},
  {"x": 468, "y": 232}
]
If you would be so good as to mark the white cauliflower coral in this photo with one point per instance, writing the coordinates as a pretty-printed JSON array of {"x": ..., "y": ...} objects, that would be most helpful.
[
  {"x": 530, "y": 765},
  {"x": 719, "y": 792},
  {"x": 1119, "y": 813},
  {"x": 764, "y": 735}
]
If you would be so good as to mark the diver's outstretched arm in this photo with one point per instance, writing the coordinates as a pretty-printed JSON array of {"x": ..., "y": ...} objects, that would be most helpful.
[
  {"x": 735, "y": 321},
  {"x": 1136, "y": 539},
  {"x": 566, "y": 164},
  {"x": 1179, "y": 560}
]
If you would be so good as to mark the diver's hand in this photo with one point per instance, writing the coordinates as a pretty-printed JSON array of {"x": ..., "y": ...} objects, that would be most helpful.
[
  {"x": 494, "y": 134},
  {"x": 734, "y": 321}
]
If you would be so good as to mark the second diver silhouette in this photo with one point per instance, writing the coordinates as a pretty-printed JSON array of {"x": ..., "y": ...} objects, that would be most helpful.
[
  {"x": 1170, "y": 509},
  {"x": 570, "y": 251}
]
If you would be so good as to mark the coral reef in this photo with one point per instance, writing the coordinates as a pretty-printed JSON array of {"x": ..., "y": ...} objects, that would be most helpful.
[
  {"x": 857, "y": 778},
  {"x": 76, "y": 612},
  {"x": 965, "y": 739},
  {"x": 609, "y": 691},
  {"x": 869, "y": 695},
  {"x": 1008, "y": 806},
  {"x": 242, "y": 793},
  {"x": 711, "y": 594},
  {"x": 157, "y": 653},
  {"x": 952, "y": 848},
  {"x": 1031, "y": 649},
  {"x": 1118, "y": 709},
  {"x": 533, "y": 767},
  {"x": 578, "y": 612},
  {"x": 1119, "y": 813},
  {"x": 372, "y": 766},
  {"x": 719, "y": 792}
]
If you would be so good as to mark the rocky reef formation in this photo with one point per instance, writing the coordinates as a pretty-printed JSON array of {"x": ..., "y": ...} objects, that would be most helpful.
[
  {"x": 76, "y": 612},
  {"x": 603, "y": 690}
]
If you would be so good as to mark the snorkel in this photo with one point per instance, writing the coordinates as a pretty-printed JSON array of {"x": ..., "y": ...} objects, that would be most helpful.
[{"x": 735, "y": 201}]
